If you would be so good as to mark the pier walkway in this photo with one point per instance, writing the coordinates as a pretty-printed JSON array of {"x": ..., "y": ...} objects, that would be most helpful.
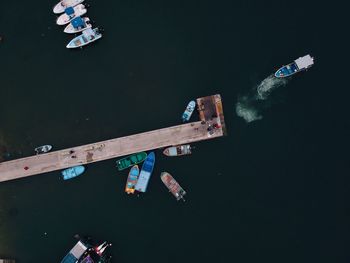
[{"x": 80, "y": 155}]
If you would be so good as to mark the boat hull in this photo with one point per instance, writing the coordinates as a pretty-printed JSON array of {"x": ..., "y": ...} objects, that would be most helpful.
[
  {"x": 64, "y": 19},
  {"x": 62, "y": 5},
  {"x": 189, "y": 110},
  {"x": 71, "y": 30},
  {"x": 132, "y": 179},
  {"x": 43, "y": 149},
  {"x": 131, "y": 160},
  {"x": 145, "y": 174},
  {"x": 81, "y": 40},
  {"x": 73, "y": 172},
  {"x": 172, "y": 185},
  {"x": 287, "y": 71},
  {"x": 178, "y": 150},
  {"x": 298, "y": 65}
]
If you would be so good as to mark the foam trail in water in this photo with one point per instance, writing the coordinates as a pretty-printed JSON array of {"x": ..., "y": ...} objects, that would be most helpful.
[
  {"x": 246, "y": 109},
  {"x": 268, "y": 85},
  {"x": 249, "y": 106}
]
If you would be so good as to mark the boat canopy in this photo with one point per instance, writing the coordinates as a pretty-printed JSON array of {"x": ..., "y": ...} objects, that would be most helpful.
[
  {"x": 78, "y": 22},
  {"x": 69, "y": 10},
  {"x": 304, "y": 62}
]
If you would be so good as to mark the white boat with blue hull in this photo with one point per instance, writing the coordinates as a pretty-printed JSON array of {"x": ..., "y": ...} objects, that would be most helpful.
[
  {"x": 189, "y": 110},
  {"x": 77, "y": 25},
  {"x": 146, "y": 172},
  {"x": 70, "y": 13},
  {"x": 89, "y": 35},
  {"x": 73, "y": 172},
  {"x": 298, "y": 65},
  {"x": 59, "y": 8}
]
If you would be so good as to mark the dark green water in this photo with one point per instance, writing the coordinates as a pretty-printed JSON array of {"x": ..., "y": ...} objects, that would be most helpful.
[{"x": 265, "y": 193}]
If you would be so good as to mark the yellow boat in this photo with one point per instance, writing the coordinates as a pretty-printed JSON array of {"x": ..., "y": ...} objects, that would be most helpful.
[{"x": 132, "y": 179}]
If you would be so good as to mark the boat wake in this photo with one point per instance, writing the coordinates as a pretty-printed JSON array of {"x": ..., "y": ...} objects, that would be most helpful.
[{"x": 249, "y": 106}]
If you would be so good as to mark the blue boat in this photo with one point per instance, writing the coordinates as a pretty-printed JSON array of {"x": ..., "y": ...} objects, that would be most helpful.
[
  {"x": 299, "y": 64},
  {"x": 189, "y": 110},
  {"x": 73, "y": 172},
  {"x": 146, "y": 172}
]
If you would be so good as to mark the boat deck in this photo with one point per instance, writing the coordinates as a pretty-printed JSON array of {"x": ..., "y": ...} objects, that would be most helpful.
[
  {"x": 211, "y": 111},
  {"x": 99, "y": 151}
]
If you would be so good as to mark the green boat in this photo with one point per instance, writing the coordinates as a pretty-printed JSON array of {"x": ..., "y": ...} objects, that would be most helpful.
[{"x": 131, "y": 160}]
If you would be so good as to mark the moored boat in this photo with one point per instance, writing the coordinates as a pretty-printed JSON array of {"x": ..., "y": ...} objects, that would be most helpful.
[
  {"x": 178, "y": 150},
  {"x": 131, "y": 160},
  {"x": 70, "y": 13},
  {"x": 146, "y": 172},
  {"x": 72, "y": 172},
  {"x": 77, "y": 25},
  {"x": 89, "y": 35},
  {"x": 43, "y": 149},
  {"x": 189, "y": 110},
  {"x": 298, "y": 65},
  {"x": 132, "y": 179},
  {"x": 86, "y": 252},
  {"x": 59, "y": 7},
  {"x": 172, "y": 185}
]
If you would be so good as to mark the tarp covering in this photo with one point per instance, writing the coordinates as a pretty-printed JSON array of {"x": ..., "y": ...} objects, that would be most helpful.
[
  {"x": 78, "y": 22},
  {"x": 69, "y": 11},
  {"x": 304, "y": 62}
]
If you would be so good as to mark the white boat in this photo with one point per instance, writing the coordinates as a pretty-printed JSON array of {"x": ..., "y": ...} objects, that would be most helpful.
[
  {"x": 43, "y": 149},
  {"x": 178, "y": 150},
  {"x": 59, "y": 8},
  {"x": 189, "y": 110},
  {"x": 70, "y": 13},
  {"x": 89, "y": 35},
  {"x": 77, "y": 25}
]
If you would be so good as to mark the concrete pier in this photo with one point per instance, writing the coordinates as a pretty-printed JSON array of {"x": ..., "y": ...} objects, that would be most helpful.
[{"x": 80, "y": 155}]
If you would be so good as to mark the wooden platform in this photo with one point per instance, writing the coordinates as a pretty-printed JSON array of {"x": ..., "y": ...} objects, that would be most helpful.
[{"x": 58, "y": 160}]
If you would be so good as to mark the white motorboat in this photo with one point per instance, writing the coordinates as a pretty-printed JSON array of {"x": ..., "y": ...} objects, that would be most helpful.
[
  {"x": 89, "y": 35},
  {"x": 77, "y": 25},
  {"x": 62, "y": 5},
  {"x": 43, "y": 149},
  {"x": 70, "y": 13}
]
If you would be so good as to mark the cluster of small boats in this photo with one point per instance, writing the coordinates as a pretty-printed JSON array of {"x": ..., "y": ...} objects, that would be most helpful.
[
  {"x": 87, "y": 251},
  {"x": 137, "y": 180},
  {"x": 68, "y": 173},
  {"x": 70, "y": 14}
]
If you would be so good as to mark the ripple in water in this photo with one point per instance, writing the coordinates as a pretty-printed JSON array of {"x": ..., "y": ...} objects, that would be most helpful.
[{"x": 249, "y": 106}]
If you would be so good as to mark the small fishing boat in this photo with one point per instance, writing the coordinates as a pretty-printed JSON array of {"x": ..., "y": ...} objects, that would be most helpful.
[
  {"x": 172, "y": 185},
  {"x": 298, "y": 65},
  {"x": 189, "y": 110},
  {"x": 132, "y": 179},
  {"x": 70, "y": 13},
  {"x": 77, "y": 25},
  {"x": 59, "y": 8},
  {"x": 178, "y": 150},
  {"x": 89, "y": 35},
  {"x": 131, "y": 160},
  {"x": 43, "y": 149},
  {"x": 73, "y": 172},
  {"x": 146, "y": 172}
]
